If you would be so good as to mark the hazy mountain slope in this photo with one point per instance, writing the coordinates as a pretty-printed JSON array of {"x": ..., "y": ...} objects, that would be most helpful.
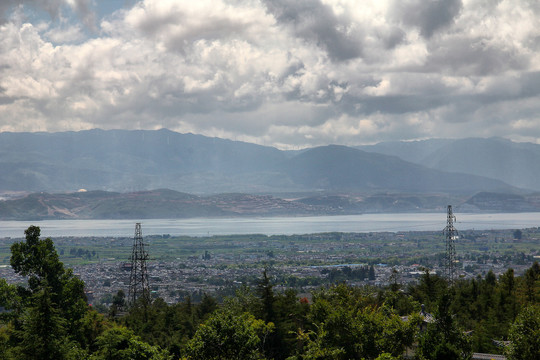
[
  {"x": 166, "y": 204},
  {"x": 336, "y": 168},
  {"x": 121, "y": 150},
  {"x": 486, "y": 201},
  {"x": 413, "y": 151},
  {"x": 517, "y": 164},
  {"x": 127, "y": 161}
]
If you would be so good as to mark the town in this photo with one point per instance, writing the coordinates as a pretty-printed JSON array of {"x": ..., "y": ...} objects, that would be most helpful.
[{"x": 179, "y": 267}]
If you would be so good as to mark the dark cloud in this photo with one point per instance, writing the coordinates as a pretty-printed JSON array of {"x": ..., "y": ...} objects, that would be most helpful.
[
  {"x": 530, "y": 84},
  {"x": 4, "y": 100},
  {"x": 316, "y": 22},
  {"x": 472, "y": 56},
  {"x": 392, "y": 104},
  {"x": 178, "y": 29},
  {"x": 393, "y": 37},
  {"x": 428, "y": 15}
]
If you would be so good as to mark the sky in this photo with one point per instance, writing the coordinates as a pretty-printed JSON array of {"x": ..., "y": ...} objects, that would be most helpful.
[{"x": 282, "y": 73}]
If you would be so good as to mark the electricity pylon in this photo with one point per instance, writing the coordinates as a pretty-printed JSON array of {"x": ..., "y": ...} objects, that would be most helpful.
[
  {"x": 138, "y": 280},
  {"x": 450, "y": 258}
]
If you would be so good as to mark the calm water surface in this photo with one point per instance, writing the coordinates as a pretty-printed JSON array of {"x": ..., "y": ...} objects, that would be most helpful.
[{"x": 272, "y": 226}]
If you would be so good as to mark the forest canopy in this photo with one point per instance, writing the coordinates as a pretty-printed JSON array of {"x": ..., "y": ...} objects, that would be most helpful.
[{"x": 48, "y": 317}]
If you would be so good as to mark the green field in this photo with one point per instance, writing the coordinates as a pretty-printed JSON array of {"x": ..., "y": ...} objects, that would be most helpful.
[{"x": 324, "y": 248}]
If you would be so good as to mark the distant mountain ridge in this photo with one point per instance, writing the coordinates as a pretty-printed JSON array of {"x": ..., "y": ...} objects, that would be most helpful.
[
  {"x": 143, "y": 205},
  {"x": 129, "y": 161},
  {"x": 172, "y": 204},
  {"x": 169, "y": 204},
  {"x": 517, "y": 164}
]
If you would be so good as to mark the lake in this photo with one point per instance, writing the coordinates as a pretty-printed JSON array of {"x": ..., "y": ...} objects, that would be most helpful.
[{"x": 272, "y": 225}]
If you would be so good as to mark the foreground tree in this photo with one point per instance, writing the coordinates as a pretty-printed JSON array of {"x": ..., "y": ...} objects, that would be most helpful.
[
  {"x": 525, "y": 335},
  {"x": 119, "y": 343},
  {"x": 443, "y": 339},
  {"x": 228, "y": 336},
  {"x": 349, "y": 327},
  {"x": 48, "y": 314},
  {"x": 50, "y": 319},
  {"x": 38, "y": 260},
  {"x": 43, "y": 329}
]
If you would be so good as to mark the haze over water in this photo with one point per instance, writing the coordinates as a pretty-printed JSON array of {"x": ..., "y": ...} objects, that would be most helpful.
[{"x": 272, "y": 225}]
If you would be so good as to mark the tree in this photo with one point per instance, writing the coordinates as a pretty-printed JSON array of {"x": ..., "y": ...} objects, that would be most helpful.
[
  {"x": 428, "y": 290},
  {"x": 47, "y": 313},
  {"x": 443, "y": 340},
  {"x": 266, "y": 294},
  {"x": 348, "y": 327},
  {"x": 207, "y": 306},
  {"x": 119, "y": 343},
  {"x": 531, "y": 276},
  {"x": 38, "y": 260},
  {"x": 43, "y": 330},
  {"x": 228, "y": 336},
  {"x": 507, "y": 298},
  {"x": 118, "y": 303},
  {"x": 371, "y": 272},
  {"x": 524, "y": 335}
]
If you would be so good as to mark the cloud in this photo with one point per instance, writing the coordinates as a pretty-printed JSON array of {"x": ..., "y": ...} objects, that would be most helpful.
[
  {"x": 82, "y": 8},
  {"x": 299, "y": 73},
  {"x": 429, "y": 16},
  {"x": 316, "y": 22}
]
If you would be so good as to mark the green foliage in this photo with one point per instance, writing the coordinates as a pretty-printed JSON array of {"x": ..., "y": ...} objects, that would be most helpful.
[
  {"x": 428, "y": 290},
  {"x": 525, "y": 335},
  {"x": 11, "y": 299},
  {"x": 532, "y": 277},
  {"x": 119, "y": 343},
  {"x": 443, "y": 339},
  {"x": 36, "y": 259},
  {"x": 91, "y": 326},
  {"x": 43, "y": 329},
  {"x": 228, "y": 336},
  {"x": 47, "y": 314},
  {"x": 50, "y": 318},
  {"x": 168, "y": 326},
  {"x": 386, "y": 356},
  {"x": 266, "y": 294},
  {"x": 348, "y": 328},
  {"x": 118, "y": 303}
]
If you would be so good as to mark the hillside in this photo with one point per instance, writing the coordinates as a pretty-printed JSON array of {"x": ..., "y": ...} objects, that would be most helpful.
[
  {"x": 169, "y": 204},
  {"x": 146, "y": 204},
  {"x": 340, "y": 168},
  {"x": 517, "y": 164},
  {"x": 121, "y": 160},
  {"x": 130, "y": 161}
]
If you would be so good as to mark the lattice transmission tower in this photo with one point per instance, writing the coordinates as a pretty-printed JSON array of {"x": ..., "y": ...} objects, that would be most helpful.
[
  {"x": 450, "y": 258},
  {"x": 138, "y": 280}
]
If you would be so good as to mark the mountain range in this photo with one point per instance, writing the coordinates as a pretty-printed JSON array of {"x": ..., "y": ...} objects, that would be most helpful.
[
  {"x": 517, "y": 164},
  {"x": 127, "y": 161},
  {"x": 163, "y": 203},
  {"x": 111, "y": 174}
]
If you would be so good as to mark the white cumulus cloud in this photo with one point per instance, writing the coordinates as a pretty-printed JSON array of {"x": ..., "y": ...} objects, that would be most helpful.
[{"x": 275, "y": 72}]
